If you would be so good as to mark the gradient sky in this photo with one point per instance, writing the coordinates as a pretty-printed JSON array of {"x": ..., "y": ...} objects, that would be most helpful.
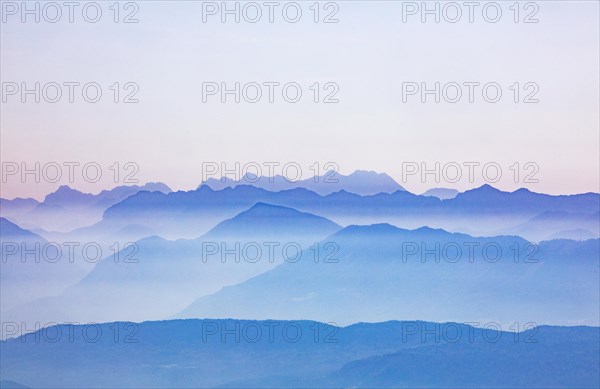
[{"x": 369, "y": 54}]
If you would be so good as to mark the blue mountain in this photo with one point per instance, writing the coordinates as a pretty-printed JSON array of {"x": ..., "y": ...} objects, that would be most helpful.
[
  {"x": 469, "y": 364},
  {"x": 17, "y": 206},
  {"x": 31, "y": 267},
  {"x": 264, "y": 220},
  {"x": 155, "y": 278},
  {"x": 441, "y": 193},
  {"x": 5, "y": 384},
  {"x": 360, "y": 182},
  {"x": 381, "y": 272},
  {"x": 67, "y": 209},
  {"x": 560, "y": 224},
  {"x": 485, "y": 210},
  {"x": 11, "y": 231},
  {"x": 301, "y": 354}
]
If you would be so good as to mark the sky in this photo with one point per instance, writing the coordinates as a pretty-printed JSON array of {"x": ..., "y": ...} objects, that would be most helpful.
[{"x": 370, "y": 61}]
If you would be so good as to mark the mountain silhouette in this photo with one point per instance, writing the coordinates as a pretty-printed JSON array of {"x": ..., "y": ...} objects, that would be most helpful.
[
  {"x": 156, "y": 278},
  {"x": 31, "y": 267},
  {"x": 441, "y": 193},
  {"x": 484, "y": 210},
  {"x": 360, "y": 182},
  {"x": 559, "y": 224},
  {"x": 301, "y": 354},
  {"x": 382, "y": 272},
  {"x": 67, "y": 209}
]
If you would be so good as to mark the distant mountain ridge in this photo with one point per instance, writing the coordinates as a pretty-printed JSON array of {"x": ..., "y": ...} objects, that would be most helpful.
[
  {"x": 259, "y": 222},
  {"x": 67, "y": 197},
  {"x": 575, "y": 225},
  {"x": 11, "y": 231},
  {"x": 485, "y": 210},
  {"x": 360, "y": 182},
  {"x": 155, "y": 278},
  {"x": 429, "y": 273},
  {"x": 441, "y": 193},
  {"x": 67, "y": 209}
]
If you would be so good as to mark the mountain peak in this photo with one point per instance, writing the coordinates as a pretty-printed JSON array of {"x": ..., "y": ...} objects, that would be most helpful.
[
  {"x": 249, "y": 177},
  {"x": 441, "y": 193},
  {"x": 260, "y": 205},
  {"x": 263, "y": 209},
  {"x": 483, "y": 190},
  {"x": 365, "y": 173},
  {"x": 64, "y": 188},
  {"x": 487, "y": 188},
  {"x": 378, "y": 228},
  {"x": 263, "y": 217},
  {"x": 369, "y": 173},
  {"x": 156, "y": 187},
  {"x": 65, "y": 194}
]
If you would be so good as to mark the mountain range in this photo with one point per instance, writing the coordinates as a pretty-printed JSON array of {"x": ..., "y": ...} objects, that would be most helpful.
[
  {"x": 383, "y": 272},
  {"x": 302, "y": 354},
  {"x": 386, "y": 271},
  {"x": 156, "y": 278},
  {"x": 307, "y": 258},
  {"x": 485, "y": 210},
  {"x": 127, "y": 214},
  {"x": 66, "y": 209},
  {"x": 441, "y": 193},
  {"x": 360, "y": 182}
]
